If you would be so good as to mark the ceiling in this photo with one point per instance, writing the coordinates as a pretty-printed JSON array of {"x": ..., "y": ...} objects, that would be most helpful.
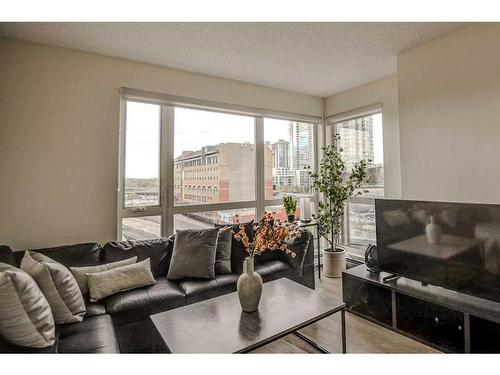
[{"x": 318, "y": 59}]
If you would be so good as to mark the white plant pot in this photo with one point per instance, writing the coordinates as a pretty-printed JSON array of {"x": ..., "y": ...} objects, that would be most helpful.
[{"x": 333, "y": 263}]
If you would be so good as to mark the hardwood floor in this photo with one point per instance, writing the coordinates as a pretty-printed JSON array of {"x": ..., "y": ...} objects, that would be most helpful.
[{"x": 363, "y": 336}]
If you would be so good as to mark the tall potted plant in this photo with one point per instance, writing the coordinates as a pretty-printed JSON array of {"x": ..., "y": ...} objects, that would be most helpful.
[{"x": 335, "y": 186}]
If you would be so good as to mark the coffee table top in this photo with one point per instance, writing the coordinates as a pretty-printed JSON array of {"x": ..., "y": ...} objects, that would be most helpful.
[{"x": 218, "y": 325}]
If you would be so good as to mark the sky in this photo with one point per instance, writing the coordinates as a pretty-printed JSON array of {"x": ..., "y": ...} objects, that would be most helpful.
[{"x": 195, "y": 129}]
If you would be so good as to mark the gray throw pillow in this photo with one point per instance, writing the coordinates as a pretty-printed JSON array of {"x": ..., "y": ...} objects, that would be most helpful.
[
  {"x": 80, "y": 272},
  {"x": 58, "y": 285},
  {"x": 194, "y": 254},
  {"x": 25, "y": 315},
  {"x": 223, "y": 251},
  {"x": 105, "y": 283}
]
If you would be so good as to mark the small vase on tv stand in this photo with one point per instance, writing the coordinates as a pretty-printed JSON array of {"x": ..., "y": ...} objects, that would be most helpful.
[
  {"x": 433, "y": 231},
  {"x": 249, "y": 286}
]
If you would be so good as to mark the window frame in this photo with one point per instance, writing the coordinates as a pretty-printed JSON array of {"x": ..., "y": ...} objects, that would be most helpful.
[
  {"x": 332, "y": 123},
  {"x": 167, "y": 208}
]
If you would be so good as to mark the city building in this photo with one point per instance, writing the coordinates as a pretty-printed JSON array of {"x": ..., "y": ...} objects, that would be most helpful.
[
  {"x": 281, "y": 154},
  {"x": 283, "y": 175},
  {"x": 357, "y": 143},
  {"x": 356, "y": 140},
  {"x": 302, "y": 155},
  {"x": 216, "y": 174}
]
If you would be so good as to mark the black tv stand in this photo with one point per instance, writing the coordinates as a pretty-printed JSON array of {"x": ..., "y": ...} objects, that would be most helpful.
[
  {"x": 389, "y": 278},
  {"x": 444, "y": 319}
]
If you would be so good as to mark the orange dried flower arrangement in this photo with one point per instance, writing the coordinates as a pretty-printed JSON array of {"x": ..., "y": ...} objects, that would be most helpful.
[{"x": 270, "y": 234}]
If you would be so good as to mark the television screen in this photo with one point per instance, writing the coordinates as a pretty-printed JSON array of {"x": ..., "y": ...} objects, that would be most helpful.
[{"x": 454, "y": 245}]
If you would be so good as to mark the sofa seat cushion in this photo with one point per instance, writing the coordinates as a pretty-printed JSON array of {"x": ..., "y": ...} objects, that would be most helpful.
[
  {"x": 131, "y": 299},
  {"x": 200, "y": 289},
  {"x": 165, "y": 294},
  {"x": 95, "y": 309},
  {"x": 138, "y": 304},
  {"x": 92, "y": 335},
  {"x": 7, "y": 347}
]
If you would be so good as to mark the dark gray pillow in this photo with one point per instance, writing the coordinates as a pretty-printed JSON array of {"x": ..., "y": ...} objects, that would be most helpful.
[
  {"x": 194, "y": 254},
  {"x": 223, "y": 251},
  {"x": 238, "y": 251}
]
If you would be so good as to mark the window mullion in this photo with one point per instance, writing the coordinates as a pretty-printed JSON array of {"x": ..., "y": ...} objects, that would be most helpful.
[
  {"x": 166, "y": 169},
  {"x": 259, "y": 167},
  {"x": 121, "y": 168}
]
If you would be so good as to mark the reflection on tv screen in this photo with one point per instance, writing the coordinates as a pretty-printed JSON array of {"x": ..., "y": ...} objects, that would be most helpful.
[{"x": 454, "y": 245}]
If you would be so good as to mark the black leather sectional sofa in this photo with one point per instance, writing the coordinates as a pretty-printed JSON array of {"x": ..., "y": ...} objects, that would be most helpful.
[{"x": 120, "y": 322}]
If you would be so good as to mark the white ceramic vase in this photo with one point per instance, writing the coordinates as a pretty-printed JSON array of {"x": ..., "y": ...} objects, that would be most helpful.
[
  {"x": 433, "y": 232},
  {"x": 333, "y": 263},
  {"x": 249, "y": 287}
]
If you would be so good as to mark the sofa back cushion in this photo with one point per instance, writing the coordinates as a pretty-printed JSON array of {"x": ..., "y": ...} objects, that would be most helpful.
[
  {"x": 158, "y": 250},
  {"x": 77, "y": 255},
  {"x": 7, "y": 256}
]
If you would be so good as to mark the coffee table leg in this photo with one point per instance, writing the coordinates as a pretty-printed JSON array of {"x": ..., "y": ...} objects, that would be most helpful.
[
  {"x": 319, "y": 256},
  {"x": 344, "y": 344},
  {"x": 311, "y": 342}
]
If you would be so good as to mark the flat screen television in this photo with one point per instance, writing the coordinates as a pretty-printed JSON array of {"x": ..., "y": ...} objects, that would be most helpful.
[{"x": 453, "y": 245}]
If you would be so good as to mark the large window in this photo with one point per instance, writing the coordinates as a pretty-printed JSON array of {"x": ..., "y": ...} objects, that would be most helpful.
[
  {"x": 142, "y": 169},
  {"x": 288, "y": 158},
  {"x": 361, "y": 138},
  {"x": 140, "y": 217},
  {"x": 190, "y": 166},
  {"x": 207, "y": 219},
  {"x": 214, "y": 157}
]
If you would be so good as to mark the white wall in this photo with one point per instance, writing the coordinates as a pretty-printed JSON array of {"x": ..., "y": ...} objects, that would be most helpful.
[
  {"x": 385, "y": 91},
  {"x": 59, "y": 120},
  {"x": 449, "y": 116}
]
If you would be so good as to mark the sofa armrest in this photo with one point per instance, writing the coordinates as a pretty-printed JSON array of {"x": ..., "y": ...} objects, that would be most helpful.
[
  {"x": 303, "y": 262},
  {"x": 303, "y": 247}
]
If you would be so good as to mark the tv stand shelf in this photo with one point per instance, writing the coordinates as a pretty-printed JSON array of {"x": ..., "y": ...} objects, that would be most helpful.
[{"x": 444, "y": 319}]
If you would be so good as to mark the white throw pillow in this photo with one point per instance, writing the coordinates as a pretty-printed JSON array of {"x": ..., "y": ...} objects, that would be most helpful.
[
  {"x": 80, "y": 272},
  {"x": 25, "y": 315},
  {"x": 58, "y": 285},
  {"x": 106, "y": 283}
]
